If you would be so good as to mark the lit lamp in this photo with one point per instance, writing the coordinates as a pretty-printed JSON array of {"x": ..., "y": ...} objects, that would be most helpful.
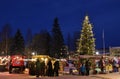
[
  {"x": 42, "y": 59},
  {"x": 97, "y": 53},
  {"x": 33, "y": 53}
]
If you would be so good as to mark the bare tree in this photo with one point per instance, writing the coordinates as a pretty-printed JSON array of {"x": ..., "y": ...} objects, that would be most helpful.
[
  {"x": 5, "y": 38},
  {"x": 40, "y": 43}
]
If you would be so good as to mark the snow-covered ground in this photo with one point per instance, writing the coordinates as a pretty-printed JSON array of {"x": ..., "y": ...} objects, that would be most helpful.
[{"x": 6, "y": 75}]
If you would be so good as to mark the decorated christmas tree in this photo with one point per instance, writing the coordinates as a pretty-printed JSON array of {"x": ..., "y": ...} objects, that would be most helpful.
[{"x": 86, "y": 43}]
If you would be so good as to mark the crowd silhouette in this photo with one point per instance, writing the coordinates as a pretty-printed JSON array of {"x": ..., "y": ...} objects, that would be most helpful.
[{"x": 49, "y": 69}]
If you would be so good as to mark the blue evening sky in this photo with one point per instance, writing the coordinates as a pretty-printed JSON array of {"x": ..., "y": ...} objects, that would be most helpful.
[{"x": 39, "y": 14}]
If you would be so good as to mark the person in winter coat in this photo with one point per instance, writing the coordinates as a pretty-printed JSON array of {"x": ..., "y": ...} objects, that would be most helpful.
[
  {"x": 38, "y": 65},
  {"x": 101, "y": 65},
  {"x": 42, "y": 70},
  {"x": 82, "y": 70},
  {"x": 49, "y": 68},
  {"x": 56, "y": 68},
  {"x": 87, "y": 66}
]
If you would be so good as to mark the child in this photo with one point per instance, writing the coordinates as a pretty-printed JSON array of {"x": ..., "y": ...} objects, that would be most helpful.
[{"x": 82, "y": 70}]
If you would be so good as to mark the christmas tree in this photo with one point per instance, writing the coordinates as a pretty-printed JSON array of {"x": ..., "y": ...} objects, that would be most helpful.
[{"x": 86, "y": 43}]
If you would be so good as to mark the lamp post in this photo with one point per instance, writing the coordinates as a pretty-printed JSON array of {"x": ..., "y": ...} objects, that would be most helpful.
[
  {"x": 33, "y": 53},
  {"x": 97, "y": 53},
  {"x": 103, "y": 43}
]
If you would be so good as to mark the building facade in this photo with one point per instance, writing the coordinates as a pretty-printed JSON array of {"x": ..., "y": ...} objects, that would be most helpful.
[{"x": 114, "y": 51}]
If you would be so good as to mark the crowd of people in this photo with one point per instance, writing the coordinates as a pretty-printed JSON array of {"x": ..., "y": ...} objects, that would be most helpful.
[
  {"x": 102, "y": 65},
  {"x": 84, "y": 68},
  {"x": 109, "y": 65},
  {"x": 48, "y": 69}
]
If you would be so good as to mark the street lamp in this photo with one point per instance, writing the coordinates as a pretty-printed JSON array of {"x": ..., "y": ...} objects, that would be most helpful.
[
  {"x": 97, "y": 53},
  {"x": 33, "y": 53}
]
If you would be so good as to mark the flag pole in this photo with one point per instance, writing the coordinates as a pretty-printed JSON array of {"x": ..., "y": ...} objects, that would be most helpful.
[{"x": 103, "y": 43}]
